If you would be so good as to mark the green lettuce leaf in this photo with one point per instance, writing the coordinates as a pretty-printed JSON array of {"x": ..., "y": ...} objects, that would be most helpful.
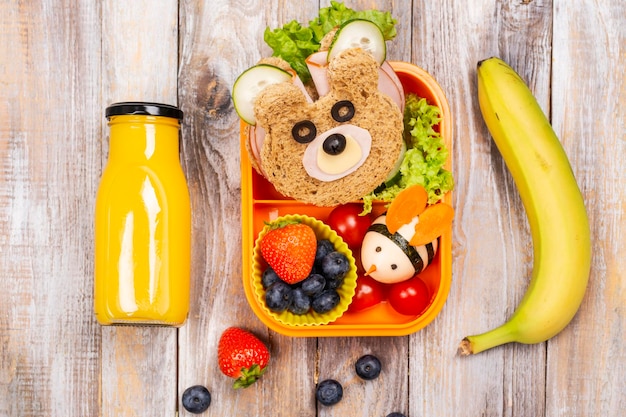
[
  {"x": 294, "y": 42},
  {"x": 424, "y": 159}
]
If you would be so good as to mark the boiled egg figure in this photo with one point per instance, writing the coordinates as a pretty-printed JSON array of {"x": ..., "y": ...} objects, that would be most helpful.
[
  {"x": 390, "y": 258},
  {"x": 403, "y": 242}
]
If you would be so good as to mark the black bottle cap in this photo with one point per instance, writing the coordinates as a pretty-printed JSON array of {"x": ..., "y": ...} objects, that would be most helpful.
[{"x": 144, "y": 108}]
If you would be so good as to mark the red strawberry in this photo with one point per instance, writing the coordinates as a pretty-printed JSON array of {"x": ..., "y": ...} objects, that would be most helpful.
[
  {"x": 289, "y": 248},
  {"x": 242, "y": 355}
]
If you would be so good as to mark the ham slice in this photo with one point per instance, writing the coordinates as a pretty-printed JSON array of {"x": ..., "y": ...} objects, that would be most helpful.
[
  {"x": 389, "y": 84},
  {"x": 317, "y": 63},
  {"x": 256, "y": 135}
]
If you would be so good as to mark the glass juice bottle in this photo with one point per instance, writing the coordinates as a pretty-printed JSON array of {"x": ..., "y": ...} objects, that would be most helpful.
[{"x": 142, "y": 220}]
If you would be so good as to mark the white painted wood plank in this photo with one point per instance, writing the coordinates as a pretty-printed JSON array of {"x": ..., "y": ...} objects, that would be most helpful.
[
  {"x": 492, "y": 250},
  {"x": 587, "y": 361},
  {"x": 222, "y": 39},
  {"x": 139, "y": 62},
  {"x": 49, "y": 112}
]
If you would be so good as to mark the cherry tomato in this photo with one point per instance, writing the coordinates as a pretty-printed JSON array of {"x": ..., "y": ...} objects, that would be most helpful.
[
  {"x": 368, "y": 293},
  {"x": 346, "y": 221},
  {"x": 410, "y": 297}
]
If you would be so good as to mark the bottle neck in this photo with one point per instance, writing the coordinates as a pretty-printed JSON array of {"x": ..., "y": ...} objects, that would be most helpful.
[{"x": 143, "y": 138}]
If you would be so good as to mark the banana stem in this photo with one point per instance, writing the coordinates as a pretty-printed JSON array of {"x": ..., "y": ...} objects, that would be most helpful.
[{"x": 475, "y": 344}]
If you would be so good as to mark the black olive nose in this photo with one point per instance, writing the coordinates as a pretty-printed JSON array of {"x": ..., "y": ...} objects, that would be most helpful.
[{"x": 334, "y": 144}]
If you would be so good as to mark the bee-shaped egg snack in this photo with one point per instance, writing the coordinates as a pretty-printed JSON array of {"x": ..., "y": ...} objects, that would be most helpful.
[{"x": 403, "y": 242}]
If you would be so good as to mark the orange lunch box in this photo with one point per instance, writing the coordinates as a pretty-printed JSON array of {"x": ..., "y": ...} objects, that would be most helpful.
[{"x": 261, "y": 203}]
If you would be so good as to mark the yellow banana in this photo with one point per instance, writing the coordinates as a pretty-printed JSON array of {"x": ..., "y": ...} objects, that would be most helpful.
[{"x": 554, "y": 205}]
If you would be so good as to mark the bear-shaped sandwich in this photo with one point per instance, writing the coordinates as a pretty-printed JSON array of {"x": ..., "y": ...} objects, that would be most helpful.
[{"x": 331, "y": 149}]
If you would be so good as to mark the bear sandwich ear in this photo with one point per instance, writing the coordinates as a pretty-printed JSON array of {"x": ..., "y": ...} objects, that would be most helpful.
[
  {"x": 276, "y": 100},
  {"x": 355, "y": 72}
]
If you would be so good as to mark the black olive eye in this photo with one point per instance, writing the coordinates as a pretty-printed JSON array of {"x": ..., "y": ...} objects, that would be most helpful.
[
  {"x": 342, "y": 111},
  {"x": 378, "y": 249},
  {"x": 394, "y": 267},
  {"x": 304, "y": 131},
  {"x": 334, "y": 144}
]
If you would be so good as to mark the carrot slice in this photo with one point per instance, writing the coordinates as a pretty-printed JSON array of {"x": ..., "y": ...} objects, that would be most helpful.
[
  {"x": 408, "y": 203},
  {"x": 432, "y": 223}
]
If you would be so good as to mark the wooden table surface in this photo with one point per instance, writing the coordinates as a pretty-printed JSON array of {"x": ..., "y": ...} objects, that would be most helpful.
[{"x": 62, "y": 62}]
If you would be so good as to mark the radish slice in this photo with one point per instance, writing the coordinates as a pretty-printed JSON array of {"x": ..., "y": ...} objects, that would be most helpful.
[
  {"x": 250, "y": 83},
  {"x": 359, "y": 33}
]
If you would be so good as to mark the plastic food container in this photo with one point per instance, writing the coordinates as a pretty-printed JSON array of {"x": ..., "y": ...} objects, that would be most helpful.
[
  {"x": 346, "y": 290},
  {"x": 261, "y": 203}
]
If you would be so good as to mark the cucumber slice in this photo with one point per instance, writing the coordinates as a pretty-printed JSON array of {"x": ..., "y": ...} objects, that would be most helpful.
[
  {"x": 250, "y": 83},
  {"x": 362, "y": 34},
  {"x": 395, "y": 174}
]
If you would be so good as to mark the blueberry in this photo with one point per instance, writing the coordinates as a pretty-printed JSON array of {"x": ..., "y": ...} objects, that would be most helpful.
[
  {"x": 324, "y": 247},
  {"x": 196, "y": 399},
  {"x": 329, "y": 392},
  {"x": 301, "y": 303},
  {"x": 396, "y": 415},
  {"x": 368, "y": 367},
  {"x": 335, "y": 266},
  {"x": 313, "y": 284},
  {"x": 269, "y": 277},
  {"x": 335, "y": 282},
  {"x": 325, "y": 302},
  {"x": 278, "y": 296}
]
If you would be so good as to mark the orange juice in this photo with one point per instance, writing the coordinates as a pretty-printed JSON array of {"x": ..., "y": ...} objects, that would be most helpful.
[{"x": 142, "y": 220}]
